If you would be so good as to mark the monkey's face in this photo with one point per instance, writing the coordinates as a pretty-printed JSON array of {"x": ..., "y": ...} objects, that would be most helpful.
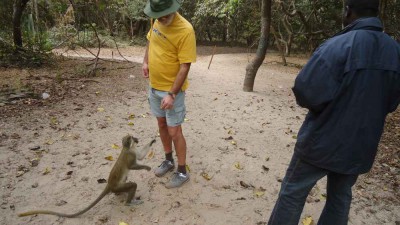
[{"x": 128, "y": 141}]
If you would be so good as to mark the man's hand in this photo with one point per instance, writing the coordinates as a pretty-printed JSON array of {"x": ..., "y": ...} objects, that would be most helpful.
[
  {"x": 167, "y": 102},
  {"x": 145, "y": 70}
]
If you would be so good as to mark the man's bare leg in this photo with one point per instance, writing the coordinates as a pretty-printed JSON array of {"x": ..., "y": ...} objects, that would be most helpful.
[
  {"x": 164, "y": 135},
  {"x": 179, "y": 141},
  {"x": 168, "y": 163}
]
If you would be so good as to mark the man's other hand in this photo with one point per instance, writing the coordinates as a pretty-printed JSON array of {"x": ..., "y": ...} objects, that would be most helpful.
[
  {"x": 145, "y": 70},
  {"x": 167, "y": 102}
]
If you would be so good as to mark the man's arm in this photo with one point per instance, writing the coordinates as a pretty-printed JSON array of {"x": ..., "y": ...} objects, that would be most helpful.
[
  {"x": 168, "y": 101},
  {"x": 317, "y": 83},
  {"x": 180, "y": 78},
  {"x": 145, "y": 66}
]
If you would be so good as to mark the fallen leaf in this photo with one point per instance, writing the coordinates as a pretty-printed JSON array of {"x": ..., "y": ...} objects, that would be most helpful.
[
  {"x": 49, "y": 142},
  {"x": 100, "y": 109},
  {"x": 206, "y": 176},
  {"x": 131, "y": 116},
  {"x": 143, "y": 115},
  {"x": 231, "y": 132},
  {"x": 233, "y": 142},
  {"x": 97, "y": 92},
  {"x": 115, "y": 146},
  {"x": 186, "y": 119},
  {"x": 150, "y": 155},
  {"x": 122, "y": 223},
  {"x": 53, "y": 120},
  {"x": 34, "y": 148},
  {"x": 266, "y": 169},
  {"x": 308, "y": 221},
  {"x": 187, "y": 168},
  {"x": 243, "y": 184},
  {"x": 258, "y": 193},
  {"x": 20, "y": 173},
  {"x": 294, "y": 136},
  {"x": 131, "y": 124},
  {"x": 110, "y": 158},
  {"x": 61, "y": 203},
  {"x": 101, "y": 181},
  {"x": 238, "y": 166},
  {"x": 46, "y": 171}
]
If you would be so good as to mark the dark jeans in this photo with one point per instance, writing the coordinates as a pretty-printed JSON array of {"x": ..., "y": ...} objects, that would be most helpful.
[{"x": 300, "y": 178}]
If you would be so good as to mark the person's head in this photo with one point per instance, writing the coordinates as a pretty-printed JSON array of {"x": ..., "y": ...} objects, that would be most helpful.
[
  {"x": 355, "y": 9},
  {"x": 163, "y": 10}
]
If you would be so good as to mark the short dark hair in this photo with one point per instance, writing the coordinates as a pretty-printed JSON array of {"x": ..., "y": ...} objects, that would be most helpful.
[{"x": 364, "y": 8}]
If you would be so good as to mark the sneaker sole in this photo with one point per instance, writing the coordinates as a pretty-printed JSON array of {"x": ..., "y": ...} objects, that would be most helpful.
[
  {"x": 162, "y": 174},
  {"x": 179, "y": 185}
]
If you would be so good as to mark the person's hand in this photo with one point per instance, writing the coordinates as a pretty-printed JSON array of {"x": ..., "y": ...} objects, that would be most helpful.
[
  {"x": 167, "y": 102},
  {"x": 145, "y": 70}
]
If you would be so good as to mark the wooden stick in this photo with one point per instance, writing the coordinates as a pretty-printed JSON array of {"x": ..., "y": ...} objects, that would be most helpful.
[{"x": 212, "y": 56}]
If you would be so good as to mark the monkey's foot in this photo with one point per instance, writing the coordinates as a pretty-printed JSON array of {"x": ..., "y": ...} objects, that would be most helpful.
[{"x": 134, "y": 202}]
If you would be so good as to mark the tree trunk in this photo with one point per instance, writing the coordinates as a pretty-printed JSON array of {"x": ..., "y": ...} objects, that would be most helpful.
[
  {"x": 279, "y": 46},
  {"x": 19, "y": 7},
  {"x": 382, "y": 13},
  {"x": 252, "y": 67}
]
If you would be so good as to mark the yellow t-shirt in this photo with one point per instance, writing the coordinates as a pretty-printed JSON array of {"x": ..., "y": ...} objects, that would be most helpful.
[{"x": 169, "y": 47}]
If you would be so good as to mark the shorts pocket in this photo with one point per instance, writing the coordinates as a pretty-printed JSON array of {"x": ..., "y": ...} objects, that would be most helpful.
[{"x": 176, "y": 116}]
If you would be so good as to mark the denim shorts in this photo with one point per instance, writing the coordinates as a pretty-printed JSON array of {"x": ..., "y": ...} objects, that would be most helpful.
[{"x": 174, "y": 116}]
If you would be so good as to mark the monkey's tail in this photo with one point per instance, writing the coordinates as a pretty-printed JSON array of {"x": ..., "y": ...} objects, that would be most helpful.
[{"x": 34, "y": 212}]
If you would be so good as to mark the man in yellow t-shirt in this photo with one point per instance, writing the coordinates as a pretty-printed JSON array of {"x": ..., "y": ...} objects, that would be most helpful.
[{"x": 170, "y": 50}]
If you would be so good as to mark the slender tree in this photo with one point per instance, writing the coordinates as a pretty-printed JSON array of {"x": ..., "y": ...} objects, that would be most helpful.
[
  {"x": 252, "y": 67},
  {"x": 19, "y": 7}
]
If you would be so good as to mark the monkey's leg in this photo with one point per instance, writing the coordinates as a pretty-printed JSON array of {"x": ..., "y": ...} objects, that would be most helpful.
[
  {"x": 130, "y": 188},
  {"x": 139, "y": 167}
]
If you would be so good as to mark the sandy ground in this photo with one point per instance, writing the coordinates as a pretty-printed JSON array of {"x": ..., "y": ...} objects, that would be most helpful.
[{"x": 242, "y": 142}]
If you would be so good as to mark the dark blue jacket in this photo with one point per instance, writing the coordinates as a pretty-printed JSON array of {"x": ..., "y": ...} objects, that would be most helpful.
[{"x": 349, "y": 85}]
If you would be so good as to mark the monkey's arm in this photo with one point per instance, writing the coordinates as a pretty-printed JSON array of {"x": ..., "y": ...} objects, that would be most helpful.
[
  {"x": 140, "y": 154},
  {"x": 139, "y": 167}
]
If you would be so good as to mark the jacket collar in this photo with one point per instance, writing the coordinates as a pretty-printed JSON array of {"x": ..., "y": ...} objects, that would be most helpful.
[{"x": 366, "y": 23}]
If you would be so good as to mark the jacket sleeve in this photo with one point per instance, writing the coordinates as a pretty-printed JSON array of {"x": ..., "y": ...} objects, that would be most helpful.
[{"x": 318, "y": 82}]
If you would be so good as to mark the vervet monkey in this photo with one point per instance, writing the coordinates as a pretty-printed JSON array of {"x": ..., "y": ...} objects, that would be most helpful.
[{"x": 117, "y": 178}]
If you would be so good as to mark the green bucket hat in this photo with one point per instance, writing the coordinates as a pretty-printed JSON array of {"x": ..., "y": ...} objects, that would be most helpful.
[{"x": 158, "y": 8}]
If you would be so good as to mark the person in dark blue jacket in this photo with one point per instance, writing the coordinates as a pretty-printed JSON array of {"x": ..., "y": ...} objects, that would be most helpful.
[{"x": 349, "y": 85}]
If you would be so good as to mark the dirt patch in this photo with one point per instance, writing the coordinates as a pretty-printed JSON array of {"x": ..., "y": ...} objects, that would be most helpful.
[
  {"x": 31, "y": 89},
  {"x": 52, "y": 151}
]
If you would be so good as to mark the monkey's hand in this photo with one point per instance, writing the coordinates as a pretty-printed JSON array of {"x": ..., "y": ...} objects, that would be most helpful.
[
  {"x": 140, "y": 167},
  {"x": 141, "y": 153}
]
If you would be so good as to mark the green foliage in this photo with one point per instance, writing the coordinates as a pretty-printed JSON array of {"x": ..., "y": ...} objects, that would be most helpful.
[
  {"x": 134, "y": 10},
  {"x": 51, "y": 24},
  {"x": 12, "y": 57}
]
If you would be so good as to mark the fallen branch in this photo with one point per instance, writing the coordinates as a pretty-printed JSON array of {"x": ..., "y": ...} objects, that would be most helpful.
[
  {"x": 93, "y": 71},
  {"x": 116, "y": 45},
  {"x": 75, "y": 79},
  {"x": 212, "y": 56}
]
